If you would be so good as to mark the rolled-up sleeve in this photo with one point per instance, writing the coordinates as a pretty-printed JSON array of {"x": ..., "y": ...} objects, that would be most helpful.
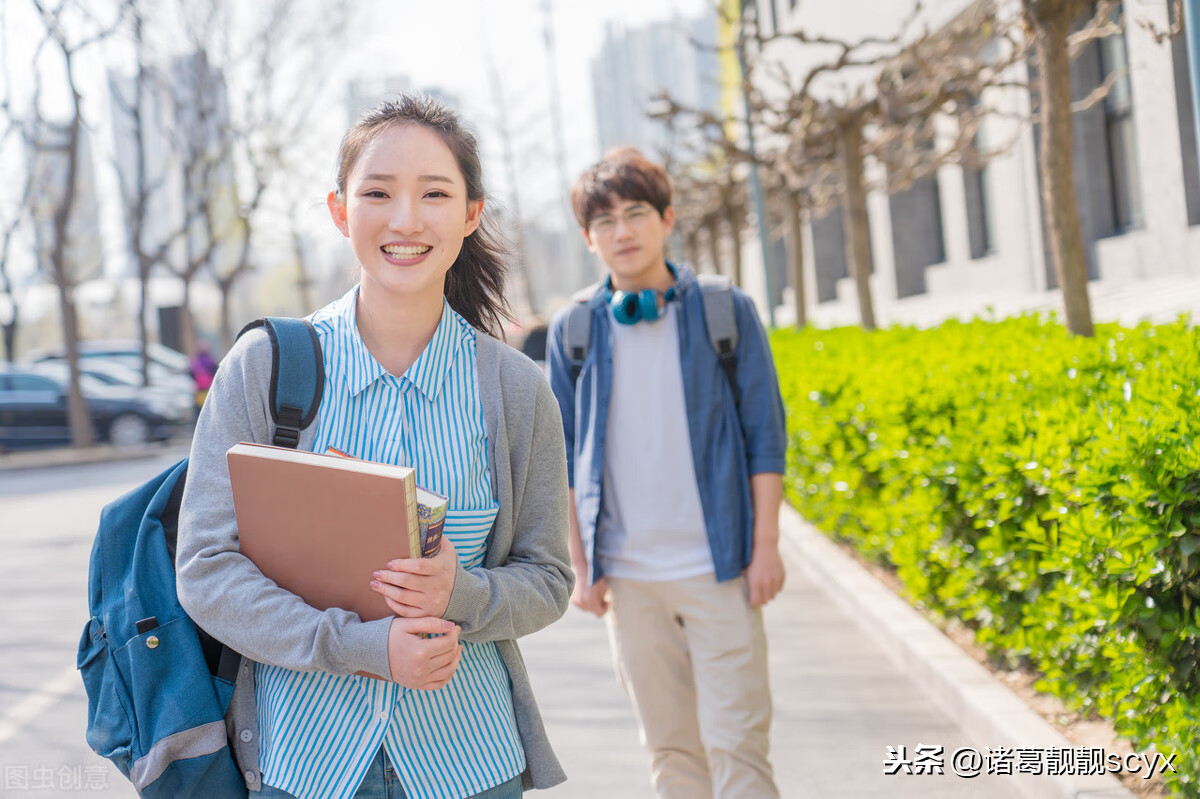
[{"x": 761, "y": 405}]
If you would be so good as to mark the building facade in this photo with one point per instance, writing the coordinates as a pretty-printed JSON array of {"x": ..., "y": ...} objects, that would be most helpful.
[
  {"x": 970, "y": 234},
  {"x": 636, "y": 64}
]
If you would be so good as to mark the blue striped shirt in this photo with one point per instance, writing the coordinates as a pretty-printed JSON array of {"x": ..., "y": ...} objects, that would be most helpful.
[{"x": 320, "y": 732}]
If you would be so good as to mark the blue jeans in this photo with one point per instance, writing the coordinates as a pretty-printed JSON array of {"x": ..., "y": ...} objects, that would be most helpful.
[{"x": 382, "y": 782}]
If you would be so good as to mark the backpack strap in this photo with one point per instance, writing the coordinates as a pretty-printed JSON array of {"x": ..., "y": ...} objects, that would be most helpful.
[
  {"x": 577, "y": 332},
  {"x": 297, "y": 384},
  {"x": 297, "y": 375},
  {"x": 721, "y": 321}
]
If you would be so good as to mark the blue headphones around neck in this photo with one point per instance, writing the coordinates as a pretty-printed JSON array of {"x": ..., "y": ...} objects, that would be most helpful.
[{"x": 631, "y": 307}]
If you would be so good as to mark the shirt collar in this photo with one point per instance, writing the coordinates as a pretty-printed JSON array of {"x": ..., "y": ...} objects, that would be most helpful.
[
  {"x": 426, "y": 374},
  {"x": 361, "y": 367}
]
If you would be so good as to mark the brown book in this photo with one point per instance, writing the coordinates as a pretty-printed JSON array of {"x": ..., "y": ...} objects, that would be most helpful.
[{"x": 320, "y": 525}]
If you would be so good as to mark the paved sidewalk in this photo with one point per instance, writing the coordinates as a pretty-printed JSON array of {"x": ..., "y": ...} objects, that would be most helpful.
[
  {"x": 840, "y": 700},
  {"x": 839, "y": 703},
  {"x": 50, "y": 457}
]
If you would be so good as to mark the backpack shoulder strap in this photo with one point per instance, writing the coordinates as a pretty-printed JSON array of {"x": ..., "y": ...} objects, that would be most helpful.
[
  {"x": 721, "y": 321},
  {"x": 297, "y": 375},
  {"x": 577, "y": 332}
]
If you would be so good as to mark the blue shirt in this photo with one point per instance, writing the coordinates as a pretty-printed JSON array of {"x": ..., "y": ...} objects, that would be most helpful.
[
  {"x": 729, "y": 443},
  {"x": 319, "y": 731}
]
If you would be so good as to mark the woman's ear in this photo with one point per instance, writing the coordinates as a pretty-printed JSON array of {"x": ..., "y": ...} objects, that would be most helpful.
[
  {"x": 337, "y": 210},
  {"x": 474, "y": 215}
]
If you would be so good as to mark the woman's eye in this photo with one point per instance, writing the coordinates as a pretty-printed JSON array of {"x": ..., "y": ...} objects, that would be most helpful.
[
  {"x": 375, "y": 193},
  {"x": 437, "y": 193}
]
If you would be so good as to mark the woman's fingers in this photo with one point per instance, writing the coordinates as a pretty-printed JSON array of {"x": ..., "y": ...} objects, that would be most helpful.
[
  {"x": 400, "y": 579},
  {"x": 428, "y": 593}
]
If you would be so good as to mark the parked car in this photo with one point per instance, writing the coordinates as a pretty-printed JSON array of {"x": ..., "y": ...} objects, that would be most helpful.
[
  {"x": 168, "y": 367},
  {"x": 180, "y": 397},
  {"x": 33, "y": 410},
  {"x": 116, "y": 373}
]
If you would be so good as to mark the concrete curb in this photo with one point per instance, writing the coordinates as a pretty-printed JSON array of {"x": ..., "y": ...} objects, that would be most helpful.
[
  {"x": 984, "y": 708},
  {"x": 70, "y": 456}
]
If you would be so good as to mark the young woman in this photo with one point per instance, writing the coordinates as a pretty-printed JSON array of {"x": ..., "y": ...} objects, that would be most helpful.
[{"x": 411, "y": 377}]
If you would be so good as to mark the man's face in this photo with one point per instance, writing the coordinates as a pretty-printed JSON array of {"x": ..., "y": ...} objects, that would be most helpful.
[{"x": 629, "y": 238}]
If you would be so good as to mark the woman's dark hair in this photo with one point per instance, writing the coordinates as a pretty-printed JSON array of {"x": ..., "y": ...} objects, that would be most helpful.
[{"x": 475, "y": 282}]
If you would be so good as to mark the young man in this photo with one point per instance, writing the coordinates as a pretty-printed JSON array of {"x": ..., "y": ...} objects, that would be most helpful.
[{"x": 675, "y": 491}]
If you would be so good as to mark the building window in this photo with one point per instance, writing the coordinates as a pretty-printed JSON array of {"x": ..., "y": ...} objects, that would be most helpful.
[
  {"x": 1187, "y": 123},
  {"x": 979, "y": 228},
  {"x": 975, "y": 190},
  {"x": 1122, "y": 138}
]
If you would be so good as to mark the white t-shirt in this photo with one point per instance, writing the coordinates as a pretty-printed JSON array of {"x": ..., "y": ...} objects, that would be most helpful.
[{"x": 651, "y": 524}]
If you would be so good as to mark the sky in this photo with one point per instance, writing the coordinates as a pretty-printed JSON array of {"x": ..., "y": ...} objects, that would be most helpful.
[{"x": 445, "y": 45}]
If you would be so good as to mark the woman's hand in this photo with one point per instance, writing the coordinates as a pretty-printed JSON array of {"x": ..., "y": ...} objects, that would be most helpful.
[
  {"x": 416, "y": 587},
  {"x": 424, "y": 664}
]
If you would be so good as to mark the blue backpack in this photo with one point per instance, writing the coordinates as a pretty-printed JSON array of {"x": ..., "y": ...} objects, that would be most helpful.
[{"x": 158, "y": 686}]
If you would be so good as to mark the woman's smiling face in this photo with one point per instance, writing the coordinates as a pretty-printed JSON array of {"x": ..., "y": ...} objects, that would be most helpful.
[{"x": 406, "y": 211}]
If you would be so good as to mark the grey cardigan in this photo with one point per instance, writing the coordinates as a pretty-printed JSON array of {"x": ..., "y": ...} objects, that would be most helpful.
[{"x": 524, "y": 584}]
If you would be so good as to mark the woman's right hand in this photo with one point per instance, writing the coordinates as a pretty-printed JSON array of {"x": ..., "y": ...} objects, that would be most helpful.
[{"x": 424, "y": 664}]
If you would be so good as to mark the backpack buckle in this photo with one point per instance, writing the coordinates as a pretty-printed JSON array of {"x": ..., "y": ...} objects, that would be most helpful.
[
  {"x": 287, "y": 428},
  {"x": 286, "y": 437}
]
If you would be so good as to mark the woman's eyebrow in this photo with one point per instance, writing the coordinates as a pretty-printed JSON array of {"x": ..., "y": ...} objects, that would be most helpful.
[{"x": 380, "y": 176}]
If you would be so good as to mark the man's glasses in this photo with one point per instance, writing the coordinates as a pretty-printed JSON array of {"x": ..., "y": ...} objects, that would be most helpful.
[{"x": 605, "y": 224}]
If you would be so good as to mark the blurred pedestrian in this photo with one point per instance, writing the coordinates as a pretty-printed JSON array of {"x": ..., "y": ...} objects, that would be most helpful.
[
  {"x": 203, "y": 367},
  {"x": 411, "y": 377},
  {"x": 676, "y": 488},
  {"x": 534, "y": 343}
]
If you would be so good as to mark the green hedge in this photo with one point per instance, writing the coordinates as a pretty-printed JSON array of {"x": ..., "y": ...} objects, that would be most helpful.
[{"x": 1045, "y": 489}]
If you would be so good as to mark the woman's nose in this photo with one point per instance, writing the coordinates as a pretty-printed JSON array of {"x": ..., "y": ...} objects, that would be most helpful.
[{"x": 405, "y": 217}]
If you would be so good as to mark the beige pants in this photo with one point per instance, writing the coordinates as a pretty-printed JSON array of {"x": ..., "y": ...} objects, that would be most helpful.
[{"x": 692, "y": 656}]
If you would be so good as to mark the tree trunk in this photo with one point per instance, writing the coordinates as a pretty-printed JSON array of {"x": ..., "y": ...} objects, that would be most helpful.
[
  {"x": 227, "y": 282},
  {"x": 78, "y": 417},
  {"x": 796, "y": 245},
  {"x": 10, "y": 334},
  {"x": 691, "y": 249},
  {"x": 735, "y": 239},
  {"x": 143, "y": 333},
  {"x": 1061, "y": 207},
  {"x": 714, "y": 245},
  {"x": 226, "y": 316},
  {"x": 854, "y": 210},
  {"x": 303, "y": 281},
  {"x": 187, "y": 323}
]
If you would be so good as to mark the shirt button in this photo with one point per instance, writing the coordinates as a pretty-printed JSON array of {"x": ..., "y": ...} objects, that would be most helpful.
[
  {"x": 383, "y": 716},
  {"x": 247, "y": 736}
]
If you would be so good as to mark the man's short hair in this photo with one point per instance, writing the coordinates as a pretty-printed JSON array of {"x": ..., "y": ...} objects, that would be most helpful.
[{"x": 623, "y": 173}]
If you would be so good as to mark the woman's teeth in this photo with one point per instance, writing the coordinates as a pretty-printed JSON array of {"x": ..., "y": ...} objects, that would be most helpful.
[{"x": 396, "y": 251}]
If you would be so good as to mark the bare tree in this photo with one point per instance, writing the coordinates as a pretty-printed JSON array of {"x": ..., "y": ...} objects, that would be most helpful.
[
  {"x": 274, "y": 119},
  {"x": 143, "y": 184},
  {"x": 60, "y": 20},
  {"x": 16, "y": 130},
  {"x": 504, "y": 130},
  {"x": 873, "y": 98},
  {"x": 201, "y": 132},
  {"x": 1051, "y": 23}
]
